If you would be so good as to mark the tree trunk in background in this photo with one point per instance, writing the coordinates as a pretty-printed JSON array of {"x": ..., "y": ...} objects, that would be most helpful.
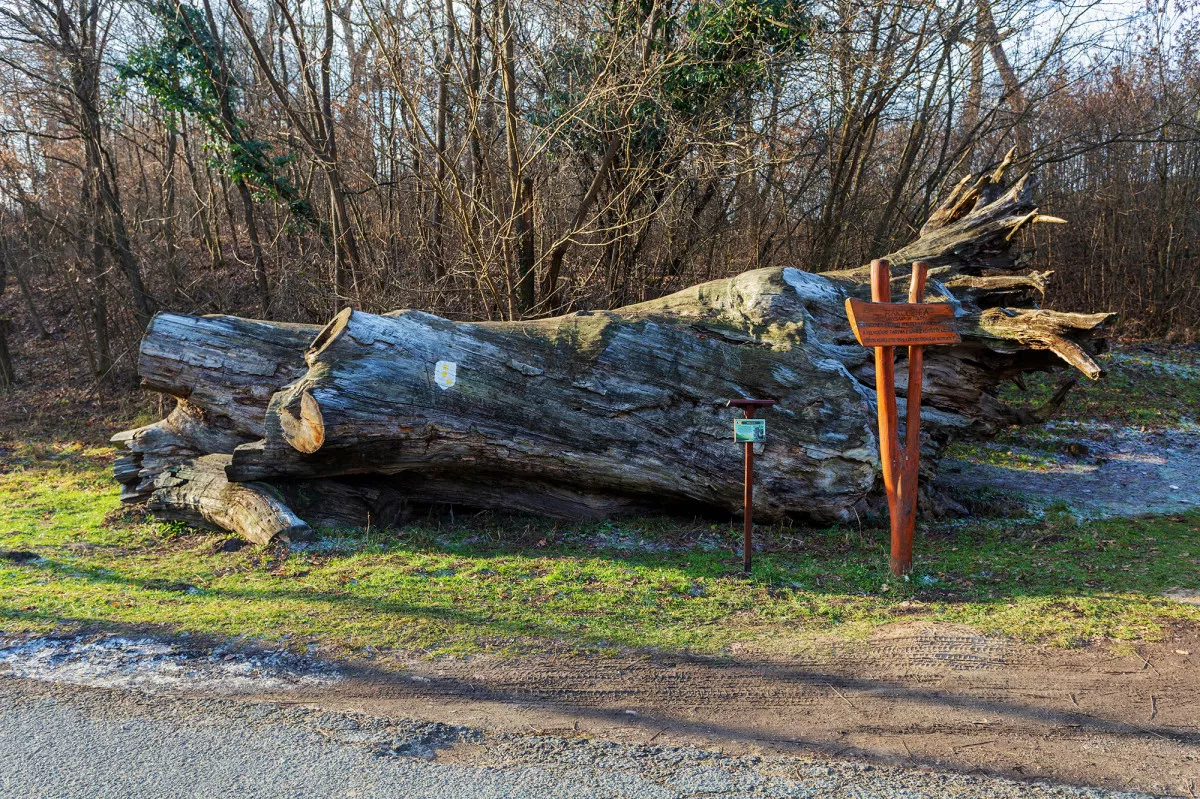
[
  {"x": 526, "y": 256},
  {"x": 170, "y": 183},
  {"x": 96, "y": 295},
  {"x": 523, "y": 293},
  {"x": 316, "y": 126},
  {"x": 80, "y": 42},
  {"x": 259, "y": 265},
  {"x": 441, "y": 154},
  {"x": 27, "y": 295},
  {"x": 8, "y": 375},
  {"x": 550, "y": 284},
  {"x": 211, "y": 240},
  {"x": 117, "y": 232},
  {"x": 1013, "y": 91},
  {"x": 595, "y": 414},
  {"x": 974, "y": 101},
  {"x": 218, "y": 69}
]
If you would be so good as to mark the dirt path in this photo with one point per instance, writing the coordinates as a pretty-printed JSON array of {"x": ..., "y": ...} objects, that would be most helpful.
[
  {"x": 936, "y": 698},
  {"x": 62, "y": 742},
  {"x": 925, "y": 695}
]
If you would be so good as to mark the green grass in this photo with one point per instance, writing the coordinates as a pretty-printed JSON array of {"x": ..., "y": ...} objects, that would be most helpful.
[
  {"x": 516, "y": 586},
  {"x": 1144, "y": 385},
  {"x": 1004, "y": 454}
]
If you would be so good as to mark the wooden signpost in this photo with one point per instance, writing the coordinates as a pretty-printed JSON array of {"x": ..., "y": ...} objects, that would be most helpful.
[
  {"x": 748, "y": 431},
  {"x": 885, "y": 325}
]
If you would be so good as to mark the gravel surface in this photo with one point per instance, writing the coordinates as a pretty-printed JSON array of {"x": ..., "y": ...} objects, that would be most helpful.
[{"x": 67, "y": 741}]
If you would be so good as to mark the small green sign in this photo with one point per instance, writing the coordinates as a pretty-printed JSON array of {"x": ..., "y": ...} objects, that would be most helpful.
[{"x": 750, "y": 431}]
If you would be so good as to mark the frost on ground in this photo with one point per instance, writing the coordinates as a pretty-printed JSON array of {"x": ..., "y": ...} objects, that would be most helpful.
[
  {"x": 1142, "y": 457},
  {"x": 1098, "y": 470},
  {"x": 152, "y": 666}
]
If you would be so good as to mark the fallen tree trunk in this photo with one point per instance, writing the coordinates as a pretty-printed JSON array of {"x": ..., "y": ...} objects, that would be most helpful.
[
  {"x": 596, "y": 413},
  {"x": 198, "y": 492},
  {"x": 624, "y": 403}
]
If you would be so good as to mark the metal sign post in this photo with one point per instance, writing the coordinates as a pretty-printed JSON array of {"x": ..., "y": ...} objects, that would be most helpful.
[
  {"x": 749, "y": 434},
  {"x": 885, "y": 325}
]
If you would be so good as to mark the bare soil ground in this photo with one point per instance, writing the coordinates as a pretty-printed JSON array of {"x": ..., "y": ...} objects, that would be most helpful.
[
  {"x": 919, "y": 695},
  {"x": 926, "y": 695},
  {"x": 63, "y": 742}
]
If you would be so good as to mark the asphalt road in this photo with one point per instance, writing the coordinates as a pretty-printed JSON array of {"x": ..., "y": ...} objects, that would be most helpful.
[{"x": 68, "y": 741}]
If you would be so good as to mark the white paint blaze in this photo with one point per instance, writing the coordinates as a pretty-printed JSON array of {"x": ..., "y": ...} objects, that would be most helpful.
[{"x": 445, "y": 373}]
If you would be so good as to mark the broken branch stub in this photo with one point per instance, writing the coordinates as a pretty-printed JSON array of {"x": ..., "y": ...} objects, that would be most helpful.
[{"x": 603, "y": 413}]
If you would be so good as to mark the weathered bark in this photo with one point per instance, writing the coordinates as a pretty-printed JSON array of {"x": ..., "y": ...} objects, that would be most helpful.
[
  {"x": 163, "y": 467},
  {"x": 627, "y": 403},
  {"x": 196, "y": 491},
  {"x": 608, "y": 412},
  {"x": 223, "y": 370}
]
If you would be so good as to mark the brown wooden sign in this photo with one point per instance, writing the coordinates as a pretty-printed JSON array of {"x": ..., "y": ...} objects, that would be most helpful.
[
  {"x": 896, "y": 324},
  {"x": 884, "y": 325}
]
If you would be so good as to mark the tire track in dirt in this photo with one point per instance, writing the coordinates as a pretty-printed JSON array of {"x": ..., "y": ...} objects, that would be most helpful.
[{"x": 933, "y": 695}]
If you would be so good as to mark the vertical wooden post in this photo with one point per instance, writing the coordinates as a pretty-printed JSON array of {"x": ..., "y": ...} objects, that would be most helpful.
[
  {"x": 748, "y": 503},
  {"x": 748, "y": 406},
  {"x": 885, "y": 396},
  {"x": 884, "y": 326},
  {"x": 902, "y": 545}
]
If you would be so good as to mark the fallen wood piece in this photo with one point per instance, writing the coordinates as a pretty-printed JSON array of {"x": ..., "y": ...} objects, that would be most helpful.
[
  {"x": 223, "y": 370},
  {"x": 196, "y": 491},
  {"x": 609, "y": 412}
]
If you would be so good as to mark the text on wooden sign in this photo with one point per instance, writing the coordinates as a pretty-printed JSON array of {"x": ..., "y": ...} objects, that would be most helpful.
[{"x": 896, "y": 324}]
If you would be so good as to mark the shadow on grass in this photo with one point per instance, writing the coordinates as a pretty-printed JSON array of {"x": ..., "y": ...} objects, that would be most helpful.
[
  {"x": 982, "y": 561},
  {"x": 1047, "y": 561},
  {"x": 623, "y": 624}
]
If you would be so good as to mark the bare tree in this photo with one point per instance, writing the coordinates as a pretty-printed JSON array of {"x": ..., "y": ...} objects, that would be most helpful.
[
  {"x": 503, "y": 159},
  {"x": 71, "y": 39}
]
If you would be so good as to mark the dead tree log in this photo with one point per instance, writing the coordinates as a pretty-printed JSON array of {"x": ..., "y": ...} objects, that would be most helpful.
[
  {"x": 197, "y": 491},
  {"x": 594, "y": 413}
]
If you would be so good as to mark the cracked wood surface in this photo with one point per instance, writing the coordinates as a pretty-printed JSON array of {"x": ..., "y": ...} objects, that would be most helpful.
[{"x": 609, "y": 412}]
